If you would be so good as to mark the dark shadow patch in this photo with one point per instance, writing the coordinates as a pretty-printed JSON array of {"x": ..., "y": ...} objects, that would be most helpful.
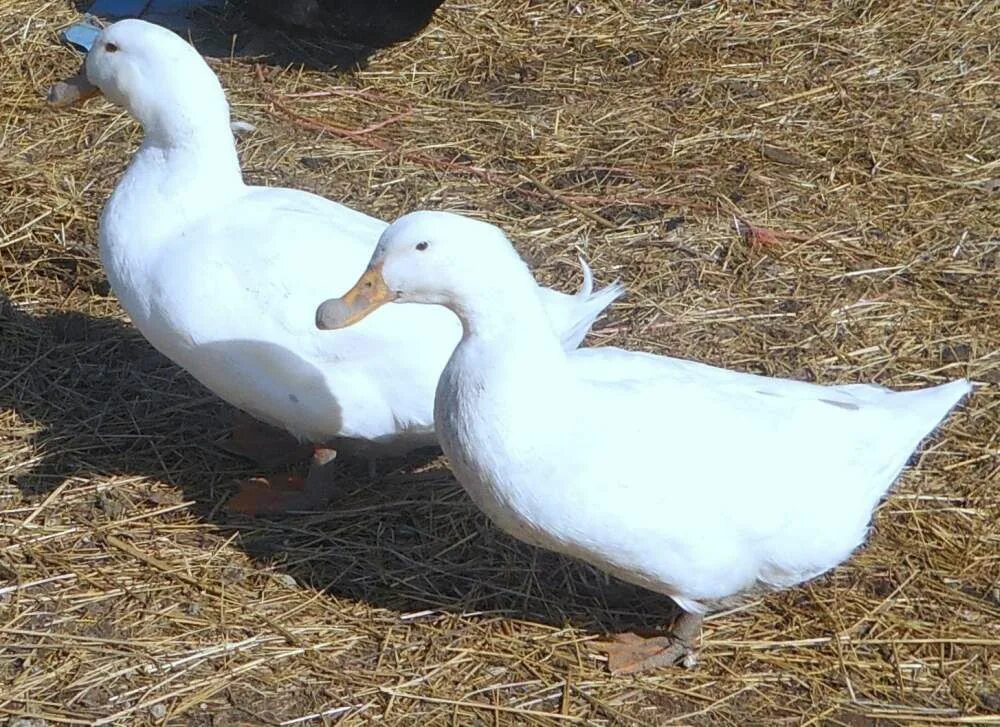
[{"x": 101, "y": 402}]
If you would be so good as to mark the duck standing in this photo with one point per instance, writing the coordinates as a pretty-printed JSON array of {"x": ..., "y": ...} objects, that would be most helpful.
[
  {"x": 223, "y": 278},
  {"x": 696, "y": 482}
]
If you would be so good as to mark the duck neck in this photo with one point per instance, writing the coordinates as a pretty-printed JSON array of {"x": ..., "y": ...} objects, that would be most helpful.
[
  {"x": 181, "y": 171},
  {"x": 506, "y": 383},
  {"x": 509, "y": 324}
]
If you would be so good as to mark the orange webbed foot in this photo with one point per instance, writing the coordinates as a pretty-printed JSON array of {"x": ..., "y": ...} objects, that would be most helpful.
[
  {"x": 280, "y": 494},
  {"x": 630, "y": 653}
]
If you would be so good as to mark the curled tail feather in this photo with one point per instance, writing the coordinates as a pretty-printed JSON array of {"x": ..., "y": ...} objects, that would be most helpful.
[{"x": 573, "y": 315}]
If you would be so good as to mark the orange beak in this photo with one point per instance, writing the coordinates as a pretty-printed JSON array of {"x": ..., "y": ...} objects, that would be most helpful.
[
  {"x": 368, "y": 294},
  {"x": 72, "y": 91}
]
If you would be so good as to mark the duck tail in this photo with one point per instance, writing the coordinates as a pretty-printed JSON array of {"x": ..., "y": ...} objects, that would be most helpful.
[
  {"x": 916, "y": 415},
  {"x": 573, "y": 315},
  {"x": 926, "y": 408}
]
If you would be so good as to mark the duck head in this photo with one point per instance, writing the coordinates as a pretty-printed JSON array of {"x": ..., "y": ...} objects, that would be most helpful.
[
  {"x": 153, "y": 73},
  {"x": 430, "y": 257}
]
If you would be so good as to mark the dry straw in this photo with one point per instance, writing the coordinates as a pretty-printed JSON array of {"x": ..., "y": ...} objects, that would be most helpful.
[{"x": 803, "y": 189}]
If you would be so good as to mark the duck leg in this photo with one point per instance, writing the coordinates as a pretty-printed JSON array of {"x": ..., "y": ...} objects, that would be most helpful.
[
  {"x": 282, "y": 493},
  {"x": 630, "y": 654},
  {"x": 263, "y": 444}
]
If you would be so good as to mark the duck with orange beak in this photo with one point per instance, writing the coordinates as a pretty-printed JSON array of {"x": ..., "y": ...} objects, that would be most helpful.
[
  {"x": 709, "y": 486},
  {"x": 223, "y": 277}
]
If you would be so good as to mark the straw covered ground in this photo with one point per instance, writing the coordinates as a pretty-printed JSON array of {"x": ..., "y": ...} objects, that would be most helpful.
[{"x": 803, "y": 189}]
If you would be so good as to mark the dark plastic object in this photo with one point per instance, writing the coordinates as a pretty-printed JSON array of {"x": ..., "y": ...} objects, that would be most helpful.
[{"x": 373, "y": 23}]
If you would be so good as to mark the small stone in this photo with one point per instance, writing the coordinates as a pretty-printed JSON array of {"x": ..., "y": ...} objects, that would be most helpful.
[
  {"x": 159, "y": 711},
  {"x": 990, "y": 700},
  {"x": 632, "y": 57},
  {"x": 242, "y": 127},
  {"x": 954, "y": 353},
  {"x": 163, "y": 498},
  {"x": 673, "y": 223},
  {"x": 782, "y": 156},
  {"x": 110, "y": 505},
  {"x": 314, "y": 163},
  {"x": 232, "y": 574},
  {"x": 991, "y": 375}
]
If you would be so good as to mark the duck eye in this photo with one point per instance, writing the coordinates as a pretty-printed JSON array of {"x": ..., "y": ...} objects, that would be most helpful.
[
  {"x": 422, "y": 245},
  {"x": 111, "y": 47}
]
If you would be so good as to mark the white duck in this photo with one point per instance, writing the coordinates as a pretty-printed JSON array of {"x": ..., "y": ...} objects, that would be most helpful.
[
  {"x": 223, "y": 278},
  {"x": 693, "y": 481}
]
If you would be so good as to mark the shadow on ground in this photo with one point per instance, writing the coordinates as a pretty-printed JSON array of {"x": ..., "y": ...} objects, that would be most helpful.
[{"x": 100, "y": 402}]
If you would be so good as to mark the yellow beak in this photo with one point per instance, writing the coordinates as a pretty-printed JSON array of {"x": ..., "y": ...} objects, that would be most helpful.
[
  {"x": 72, "y": 91},
  {"x": 369, "y": 293}
]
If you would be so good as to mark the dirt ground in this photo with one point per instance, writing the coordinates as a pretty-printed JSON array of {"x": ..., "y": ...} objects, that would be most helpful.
[{"x": 804, "y": 189}]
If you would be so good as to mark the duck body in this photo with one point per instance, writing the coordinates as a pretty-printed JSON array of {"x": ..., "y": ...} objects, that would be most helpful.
[
  {"x": 233, "y": 307},
  {"x": 224, "y": 278},
  {"x": 693, "y": 481}
]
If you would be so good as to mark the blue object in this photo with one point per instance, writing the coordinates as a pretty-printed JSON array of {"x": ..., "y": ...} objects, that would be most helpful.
[
  {"x": 81, "y": 35},
  {"x": 143, "y": 8},
  {"x": 119, "y": 8}
]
